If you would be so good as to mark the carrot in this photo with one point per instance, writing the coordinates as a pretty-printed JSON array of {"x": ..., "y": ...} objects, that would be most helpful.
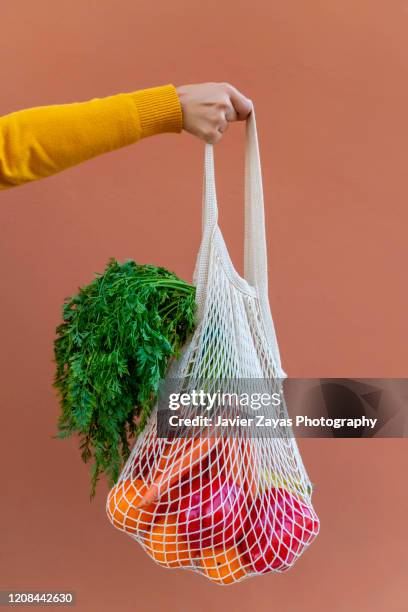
[{"x": 164, "y": 480}]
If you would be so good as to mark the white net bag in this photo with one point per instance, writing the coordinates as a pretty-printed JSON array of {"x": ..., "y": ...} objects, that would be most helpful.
[{"x": 228, "y": 506}]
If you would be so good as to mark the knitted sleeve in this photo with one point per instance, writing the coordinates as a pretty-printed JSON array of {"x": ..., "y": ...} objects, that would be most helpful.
[{"x": 38, "y": 142}]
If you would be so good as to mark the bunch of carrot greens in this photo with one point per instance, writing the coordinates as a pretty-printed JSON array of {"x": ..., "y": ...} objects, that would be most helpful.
[{"x": 112, "y": 349}]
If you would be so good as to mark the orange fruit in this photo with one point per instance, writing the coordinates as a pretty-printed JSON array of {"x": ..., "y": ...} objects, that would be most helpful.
[
  {"x": 122, "y": 500},
  {"x": 222, "y": 566},
  {"x": 165, "y": 545}
]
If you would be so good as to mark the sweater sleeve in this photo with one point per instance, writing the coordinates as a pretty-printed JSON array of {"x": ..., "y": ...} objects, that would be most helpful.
[{"x": 39, "y": 142}]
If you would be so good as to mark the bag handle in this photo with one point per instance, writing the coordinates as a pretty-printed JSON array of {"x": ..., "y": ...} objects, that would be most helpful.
[{"x": 255, "y": 252}]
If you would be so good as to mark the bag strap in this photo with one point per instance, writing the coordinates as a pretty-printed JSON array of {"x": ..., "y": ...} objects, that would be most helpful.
[
  {"x": 209, "y": 224},
  {"x": 255, "y": 252}
]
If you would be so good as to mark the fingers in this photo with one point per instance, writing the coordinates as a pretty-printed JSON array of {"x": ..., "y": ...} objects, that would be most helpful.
[
  {"x": 215, "y": 135},
  {"x": 241, "y": 104},
  {"x": 215, "y": 138},
  {"x": 225, "y": 119},
  {"x": 223, "y": 115},
  {"x": 231, "y": 114},
  {"x": 209, "y": 108}
]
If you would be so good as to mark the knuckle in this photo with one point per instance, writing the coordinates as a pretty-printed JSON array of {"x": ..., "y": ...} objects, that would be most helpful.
[
  {"x": 208, "y": 135},
  {"x": 223, "y": 103}
]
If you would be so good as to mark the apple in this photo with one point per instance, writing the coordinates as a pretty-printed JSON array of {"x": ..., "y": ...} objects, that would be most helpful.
[
  {"x": 305, "y": 520},
  {"x": 277, "y": 529},
  {"x": 210, "y": 512},
  {"x": 268, "y": 543}
]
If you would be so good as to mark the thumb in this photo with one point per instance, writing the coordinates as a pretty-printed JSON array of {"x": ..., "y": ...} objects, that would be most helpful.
[{"x": 241, "y": 104}]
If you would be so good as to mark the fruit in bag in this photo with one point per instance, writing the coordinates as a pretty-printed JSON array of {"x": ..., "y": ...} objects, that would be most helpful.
[
  {"x": 277, "y": 530},
  {"x": 166, "y": 546},
  {"x": 222, "y": 566},
  {"x": 210, "y": 512},
  {"x": 122, "y": 507}
]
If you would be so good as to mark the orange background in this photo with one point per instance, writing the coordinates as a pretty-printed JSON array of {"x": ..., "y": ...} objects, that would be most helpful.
[{"x": 330, "y": 85}]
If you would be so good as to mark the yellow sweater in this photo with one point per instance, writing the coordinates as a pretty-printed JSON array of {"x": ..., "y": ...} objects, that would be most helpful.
[{"x": 38, "y": 142}]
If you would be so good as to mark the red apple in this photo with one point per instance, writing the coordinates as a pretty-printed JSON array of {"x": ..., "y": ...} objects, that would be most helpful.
[
  {"x": 268, "y": 543},
  {"x": 210, "y": 512},
  {"x": 277, "y": 529},
  {"x": 305, "y": 519}
]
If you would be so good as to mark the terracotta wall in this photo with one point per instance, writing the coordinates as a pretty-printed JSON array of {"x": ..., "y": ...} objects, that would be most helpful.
[{"x": 329, "y": 81}]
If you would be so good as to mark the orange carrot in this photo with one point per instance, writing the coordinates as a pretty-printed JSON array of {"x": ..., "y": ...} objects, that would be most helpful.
[{"x": 164, "y": 480}]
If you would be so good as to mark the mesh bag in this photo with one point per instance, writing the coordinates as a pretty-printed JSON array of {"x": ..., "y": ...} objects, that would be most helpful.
[{"x": 226, "y": 506}]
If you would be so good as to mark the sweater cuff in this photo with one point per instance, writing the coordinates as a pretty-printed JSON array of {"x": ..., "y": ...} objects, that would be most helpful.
[{"x": 159, "y": 110}]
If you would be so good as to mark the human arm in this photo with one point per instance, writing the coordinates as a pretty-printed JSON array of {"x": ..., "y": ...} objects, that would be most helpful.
[{"x": 39, "y": 142}]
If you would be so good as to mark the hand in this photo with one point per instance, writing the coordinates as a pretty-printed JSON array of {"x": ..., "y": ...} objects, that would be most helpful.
[{"x": 208, "y": 108}]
